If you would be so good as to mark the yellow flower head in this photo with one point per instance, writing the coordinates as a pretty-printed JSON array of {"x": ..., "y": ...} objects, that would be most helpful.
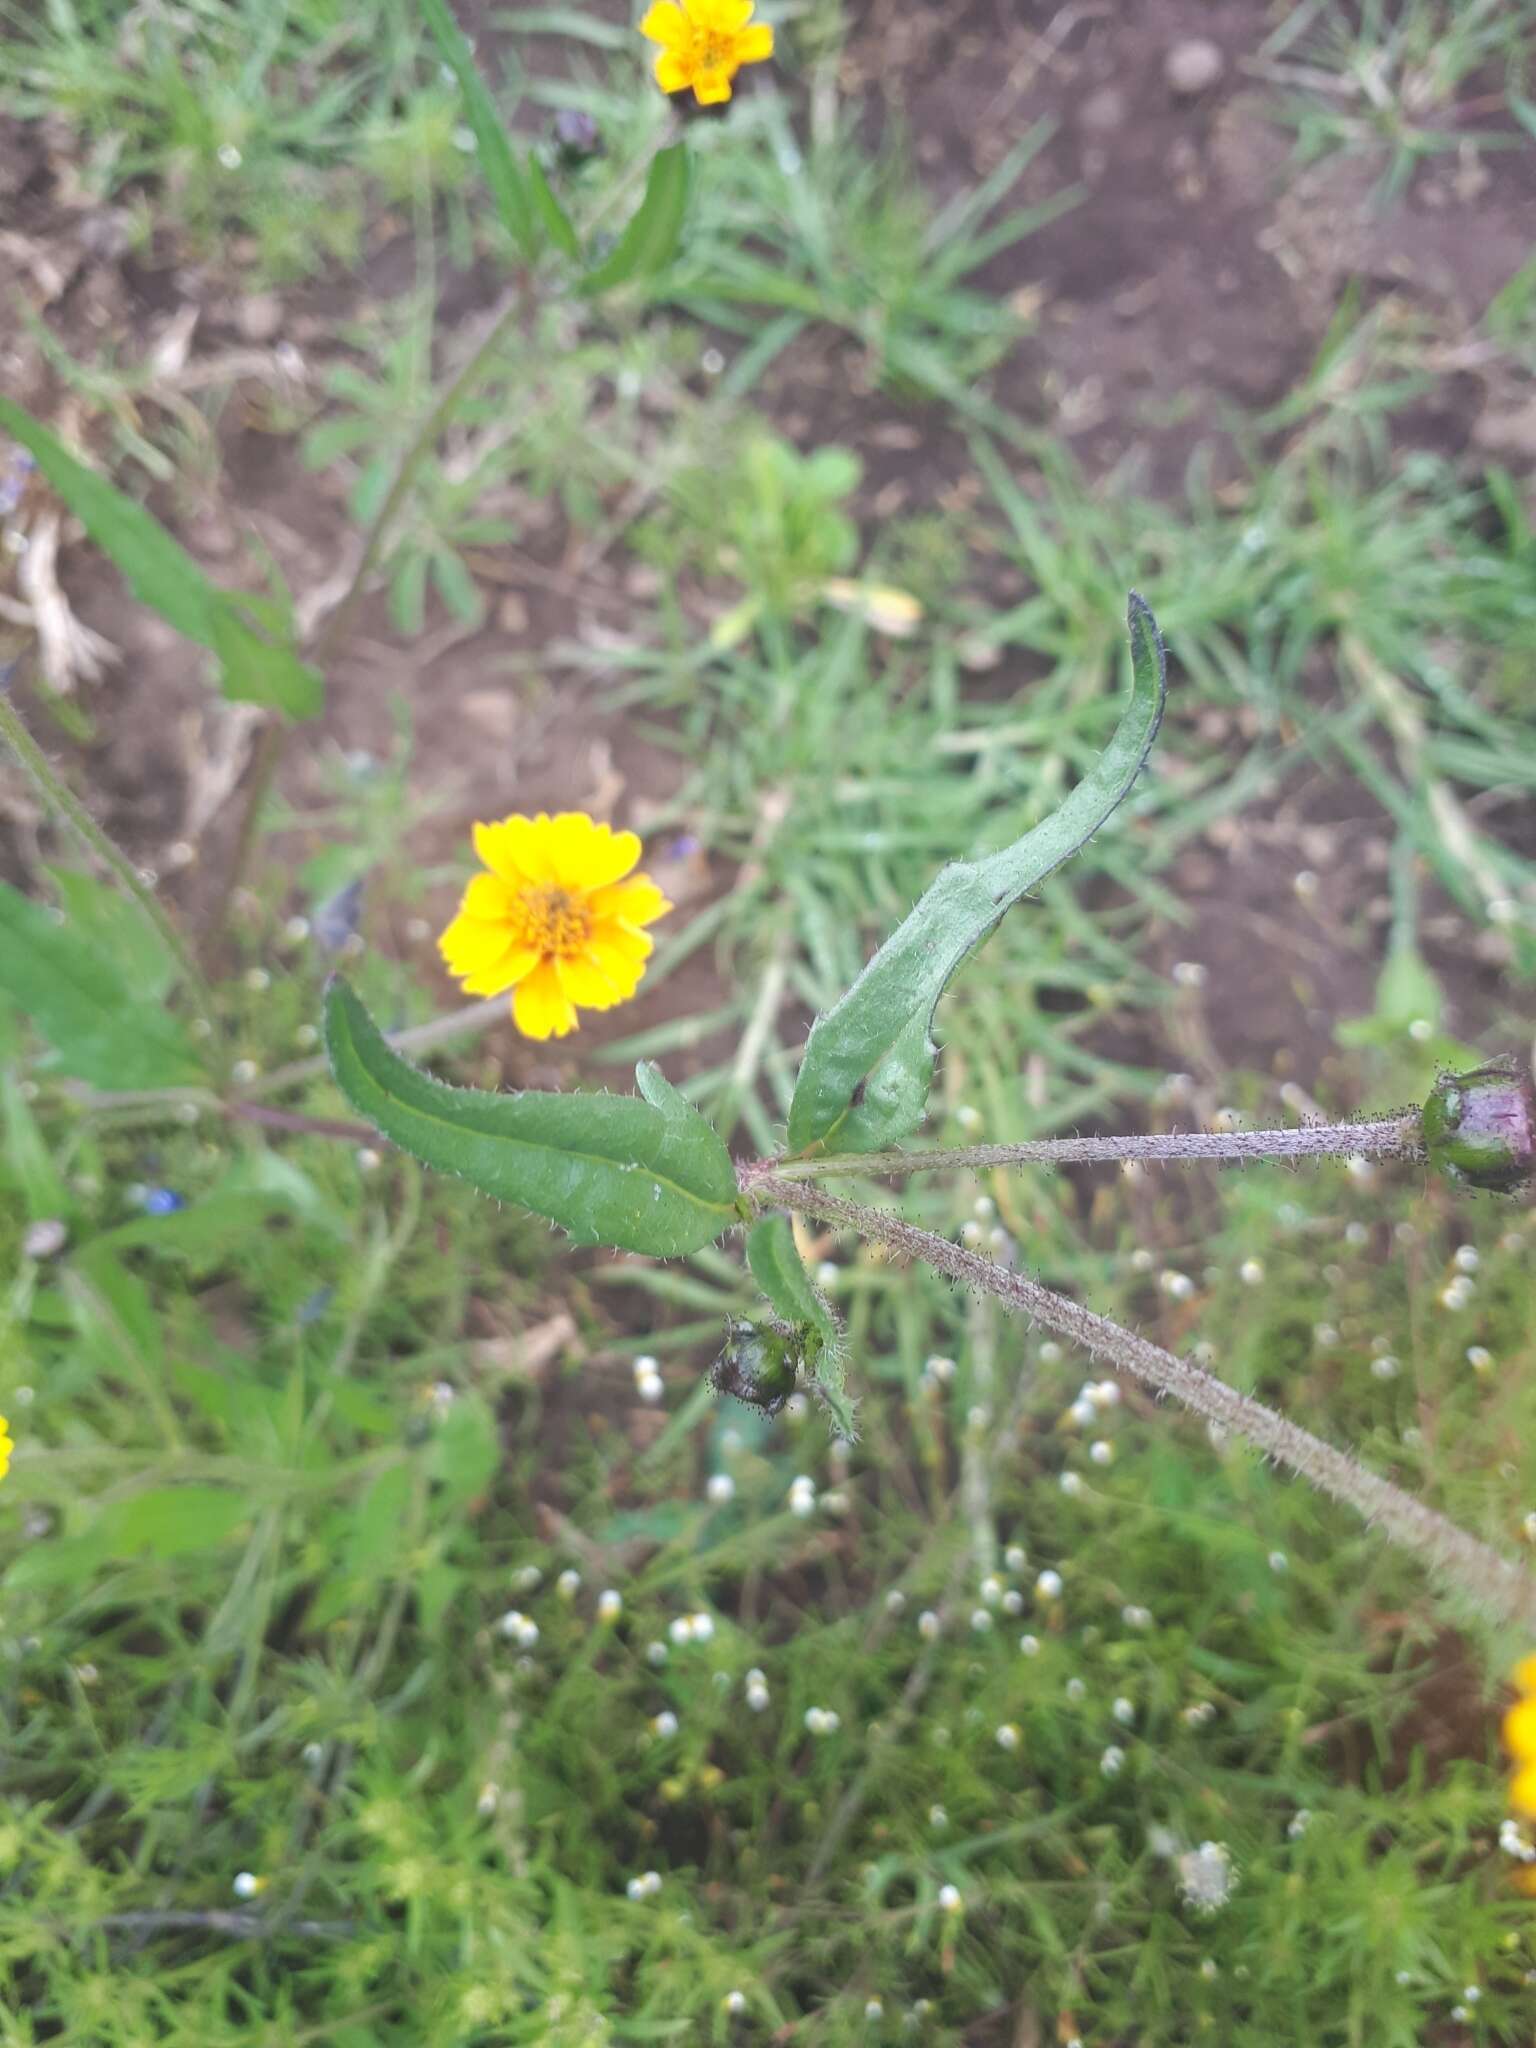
[
  {"x": 555, "y": 920},
  {"x": 1523, "y": 1677},
  {"x": 704, "y": 43},
  {"x": 6, "y": 1447}
]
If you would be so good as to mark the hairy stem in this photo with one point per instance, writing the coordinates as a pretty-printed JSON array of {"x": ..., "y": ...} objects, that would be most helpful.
[
  {"x": 61, "y": 799},
  {"x": 1488, "y": 1582},
  {"x": 1388, "y": 1134},
  {"x": 274, "y": 738}
]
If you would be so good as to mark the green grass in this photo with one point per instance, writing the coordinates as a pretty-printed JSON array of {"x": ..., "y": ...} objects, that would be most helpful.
[
  {"x": 1381, "y": 79},
  {"x": 292, "y": 1459},
  {"x": 263, "y": 122}
]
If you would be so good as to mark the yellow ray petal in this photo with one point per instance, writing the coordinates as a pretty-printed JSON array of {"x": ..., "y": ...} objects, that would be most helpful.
[
  {"x": 665, "y": 23},
  {"x": 540, "y": 1007},
  {"x": 720, "y": 17},
  {"x": 1520, "y": 1731},
  {"x": 469, "y": 940},
  {"x": 514, "y": 848},
  {"x": 637, "y": 901},
  {"x": 619, "y": 950},
  {"x": 1522, "y": 1792},
  {"x": 672, "y": 74},
  {"x": 1523, "y": 1677},
  {"x": 584, "y": 981},
  {"x": 495, "y": 977},
  {"x": 586, "y": 855},
  {"x": 711, "y": 88},
  {"x": 754, "y": 44}
]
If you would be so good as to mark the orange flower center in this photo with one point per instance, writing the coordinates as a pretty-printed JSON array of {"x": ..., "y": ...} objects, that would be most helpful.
[
  {"x": 711, "y": 50},
  {"x": 552, "y": 921}
]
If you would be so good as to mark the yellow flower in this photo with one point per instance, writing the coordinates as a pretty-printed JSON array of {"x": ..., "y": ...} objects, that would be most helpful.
[
  {"x": 6, "y": 1447},
  {"x": 704, "y": 43},
  {"x": 555, "y": 920},
  {"x": 1523, "y": 1677}
]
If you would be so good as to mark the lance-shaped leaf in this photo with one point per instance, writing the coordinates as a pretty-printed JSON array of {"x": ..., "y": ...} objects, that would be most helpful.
[
  {"x": 254, "y": 667},
  {"x": 80, "y": 1001},
  {"x": 650, "y": 238},
  {"x": 869, "y": 1060},
  {"x": 508, "y": 186},
  {"x": 779, "y": 1270},
  {"x": 643, "y": 1176}
]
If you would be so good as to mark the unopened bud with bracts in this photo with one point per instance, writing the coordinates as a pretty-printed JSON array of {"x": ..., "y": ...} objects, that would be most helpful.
[
  {"x": 1480, "y": 1127},
  {"x": 577, "y": 137},
  {"x": 759, "y": 1364}
]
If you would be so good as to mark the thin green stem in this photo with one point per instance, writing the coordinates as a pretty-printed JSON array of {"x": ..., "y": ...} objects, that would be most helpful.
[
  {"x": 62, "y": 800},
  {"x": 1397, "y": 1135},
  {"x": 1488, "y": 1582},
  {"x": 270, "y": 748}
]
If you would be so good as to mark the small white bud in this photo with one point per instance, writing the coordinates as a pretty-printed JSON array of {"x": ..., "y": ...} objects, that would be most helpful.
[
  {"x": 1015, "y": 1557},
  {"x": 1124, "y": 1712},
  {"x": 720, "y": 1488},
  {"x": 664, "y": 1725},
  {"x": 1071, "y": 1484},
  {"x": 1251, "y": 1272},
  {"x": 1112, "y": 1761},
  {"x": 610, "y": 1604},
  {"x": 928, "y": 1624},
  {"x": 1029, "y": 1645},
  {"x": 247, "y": 1884},
  {"x": 1076, "y": 1691},
  {"x": 1009, "y": 1736},
  {"x": 949, "y": 1898},
  {"x": 568, "y": 1584},
  {"x": 1048, "y": 1586},
  {"x": 1101, "y": 1451}
]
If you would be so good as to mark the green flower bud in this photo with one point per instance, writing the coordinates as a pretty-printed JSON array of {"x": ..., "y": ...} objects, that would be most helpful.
[
  {"x": 759, "y": 1364},
  {"x": 1480, "y": 1128}
]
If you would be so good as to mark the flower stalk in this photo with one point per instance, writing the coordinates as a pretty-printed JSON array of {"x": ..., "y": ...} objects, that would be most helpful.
[
  {"x": 1488, "y": 1582},
  {"x": 1396, "y": 1136}
]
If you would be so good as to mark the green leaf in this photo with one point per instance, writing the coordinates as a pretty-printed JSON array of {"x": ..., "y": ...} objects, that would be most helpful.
[
  {"x": 116, "y": 929},
  {"x": 649, "y": 241},
  {"x": 379, "y": 1529},
  {"x": 169, "y": 1521},
  {"x": 161, "y": 574},
  {"x": 256, "y": 670},
  {"x": 159, "y": 571},
  {"x": 557, "y": 224},
  {"x": 465, "y": 1449},
  {"x": 508, "y": 187},
  {"x": 101, "y": 1031},
  {"x": 868, "y": 1063},
  {"x": 779, "y": 1270},
  {"x": 643, "y": 1176}
]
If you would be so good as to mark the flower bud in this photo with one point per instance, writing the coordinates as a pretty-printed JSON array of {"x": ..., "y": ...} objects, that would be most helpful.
[
  {"x": 758, "y": 1364},
  {"x": 1480, "y": 1127},
  {"x": 577, "y": 137}
]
